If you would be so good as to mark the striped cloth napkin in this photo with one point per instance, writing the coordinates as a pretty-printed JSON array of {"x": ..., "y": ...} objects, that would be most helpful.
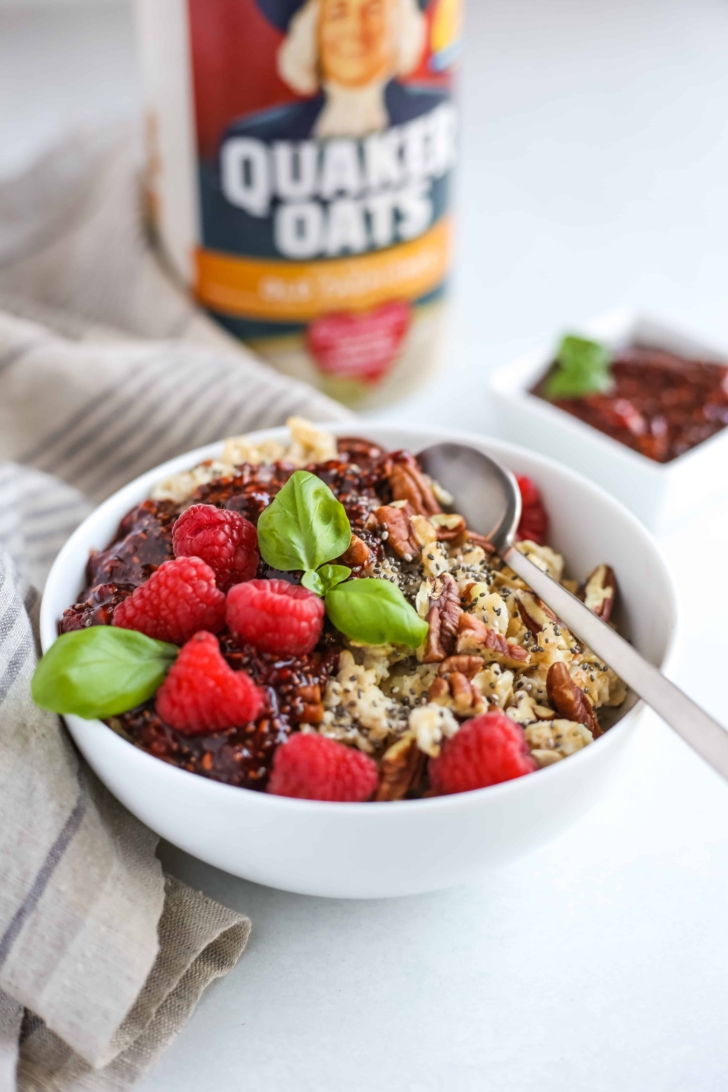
[{"x": 106, "y": 369}]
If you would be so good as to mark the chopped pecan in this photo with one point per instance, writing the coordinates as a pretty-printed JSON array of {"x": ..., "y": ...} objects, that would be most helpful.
[
  {"x": 569, "y": 700},
  {"x": 401, "y": 767},
  {"x": 400, "y": 531},
  {"x": 449, "y": 527},
  {"x": 475, "y": 637},
  {"x": 312, "y": 714},
  {"x": 311, "y": 709},
  {"x": 357, "y": 554},
  {"x": 599, "y": 592},
  {"x": 466, "y": 665},
  {"x": 457, "y": 688},
  {"x": 439, "y": 690},
  {"x": 442, "y": 618},
  {"x": 410, "y": 484},
  {"x": 534, "y": 614},
  {"x": 480, "y": 540}
]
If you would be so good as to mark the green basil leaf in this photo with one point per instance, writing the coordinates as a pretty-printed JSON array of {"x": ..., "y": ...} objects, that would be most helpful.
[
  {"x": 100, "y": 671},
  {"x": 304, "y": 526},
  {"x": 376, "y": 613},
  {"x": 313, "y": 582},
  {"x": 583, "y": 367},
  {"x": 327, "y": 577}
]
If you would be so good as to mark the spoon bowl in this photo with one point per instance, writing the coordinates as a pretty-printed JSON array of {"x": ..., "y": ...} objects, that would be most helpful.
[{"x": 487, "y": 493}]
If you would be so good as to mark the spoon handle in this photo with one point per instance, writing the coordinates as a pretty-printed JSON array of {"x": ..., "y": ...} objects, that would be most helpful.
[{"x": 700, "y": 731}]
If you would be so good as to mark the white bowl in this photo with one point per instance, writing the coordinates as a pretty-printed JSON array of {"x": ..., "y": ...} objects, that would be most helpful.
[
  {"x": 659, "y": 493},
  {"x": 375, "y": 850}
]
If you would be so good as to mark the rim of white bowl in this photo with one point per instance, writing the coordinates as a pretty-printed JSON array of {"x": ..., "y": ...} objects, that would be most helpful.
[{"x": 190, "y": 459}]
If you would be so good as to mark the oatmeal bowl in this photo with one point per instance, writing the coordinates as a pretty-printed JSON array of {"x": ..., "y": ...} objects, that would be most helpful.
[{"x": 288, "y": 655}]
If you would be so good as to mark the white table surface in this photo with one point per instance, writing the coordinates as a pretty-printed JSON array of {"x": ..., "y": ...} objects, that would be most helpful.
[{"x": 595, "y": 158}]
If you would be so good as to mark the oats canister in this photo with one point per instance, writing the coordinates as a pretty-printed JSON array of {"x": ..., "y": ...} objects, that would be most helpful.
[{"x": 300, "y": 161}]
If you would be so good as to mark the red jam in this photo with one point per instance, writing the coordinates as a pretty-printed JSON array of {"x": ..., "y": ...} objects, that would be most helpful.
[
  {"x": 661, "y": 405},
  {"x": 294, "y": 686}
]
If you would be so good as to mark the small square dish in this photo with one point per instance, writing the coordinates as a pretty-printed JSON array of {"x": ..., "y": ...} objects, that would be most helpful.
[{"x": 659, "y": 493}]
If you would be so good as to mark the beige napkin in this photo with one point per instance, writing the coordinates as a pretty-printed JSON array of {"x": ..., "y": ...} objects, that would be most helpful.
[{"x": 102, "y": 958}]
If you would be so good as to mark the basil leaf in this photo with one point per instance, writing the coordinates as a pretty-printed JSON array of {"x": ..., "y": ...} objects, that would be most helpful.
[
  {"x": 100, "y": 671},
  {"x": 332, "y": 575},
  {"x": 583, "y": 367},
  {"x": 327, "y": 577},
  {"x": 313, "y": 582},
  {"x": 376, "y": 613},
  {"x": 304, "y": 526}
]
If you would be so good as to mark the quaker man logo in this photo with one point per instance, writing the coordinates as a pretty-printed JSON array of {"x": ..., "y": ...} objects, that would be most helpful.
[{"x": 351, "y": 49}]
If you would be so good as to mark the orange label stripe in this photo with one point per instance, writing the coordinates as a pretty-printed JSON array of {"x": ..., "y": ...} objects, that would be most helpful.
[{"x": 262, "y": 288}]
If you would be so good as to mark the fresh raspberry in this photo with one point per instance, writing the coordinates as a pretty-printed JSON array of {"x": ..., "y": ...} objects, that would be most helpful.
[
  {"x": 177, "y": 600},
  {"x": 203, "y": 694},
  {"x": 534, "y": 522},
  {"x": 486, "y": 750},
  {"x": 224, "y": 539},
  {"x": 311, "y": 767},
  {"x": 275, "y": 616}
]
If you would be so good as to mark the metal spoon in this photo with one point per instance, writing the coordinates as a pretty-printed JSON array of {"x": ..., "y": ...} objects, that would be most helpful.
[{"x": 489, "y": 499}]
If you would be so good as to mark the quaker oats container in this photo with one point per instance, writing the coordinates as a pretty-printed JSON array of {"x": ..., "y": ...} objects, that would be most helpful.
[{"x": 299, "y": 177}]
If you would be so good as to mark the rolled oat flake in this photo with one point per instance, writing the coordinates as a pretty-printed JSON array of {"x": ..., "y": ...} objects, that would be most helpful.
[{"x": 300, "y": 159}]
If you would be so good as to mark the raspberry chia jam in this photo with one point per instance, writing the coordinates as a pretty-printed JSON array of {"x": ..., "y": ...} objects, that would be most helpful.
[{"x": 299, "y": 176}]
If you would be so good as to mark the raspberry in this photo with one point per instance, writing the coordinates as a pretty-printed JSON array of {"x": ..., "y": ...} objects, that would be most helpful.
[
  {"x": 275, "y": 616},
  {"x": 534, "y": 522},
  {"x": 203, "y": 694},
  {"x": 486, "y": 750},
  {"x": 176, "y": 601},
  {"x": 311, "y": 767},
  {"x": 224, "y": 539}
]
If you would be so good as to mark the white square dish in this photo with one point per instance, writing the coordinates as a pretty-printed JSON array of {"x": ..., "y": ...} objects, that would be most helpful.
[{"x": 658, "y": 493}]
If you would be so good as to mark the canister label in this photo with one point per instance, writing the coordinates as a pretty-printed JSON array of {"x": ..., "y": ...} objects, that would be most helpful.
[{"x": 326, "y": 138}]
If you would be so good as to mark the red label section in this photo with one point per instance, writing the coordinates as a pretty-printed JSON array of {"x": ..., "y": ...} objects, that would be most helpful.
[{"x": 359, "y": 346}]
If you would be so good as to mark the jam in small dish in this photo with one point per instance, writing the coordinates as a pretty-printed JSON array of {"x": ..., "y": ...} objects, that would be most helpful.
[{"x": 656, "y": 402}]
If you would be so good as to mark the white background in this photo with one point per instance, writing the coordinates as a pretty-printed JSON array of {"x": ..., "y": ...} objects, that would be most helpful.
[{"x": 595, "y": 172}]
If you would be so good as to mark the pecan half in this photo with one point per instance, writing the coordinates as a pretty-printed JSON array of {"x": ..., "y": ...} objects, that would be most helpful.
[
  {"x": 357, "y": 554},
  {"x": 475, "y": 637},
  {"x": 409, "y": 483},
  {"x": 599, "y": 592},
  {"x": 534, "y": 614},
  {"x": 469, "y": 666},
  {"x": 569, "y": 700},
  {"x": 442, "y": 618},
  {"x": 458, "y": 689},
  {"x": 401, "y": 535},
  {"x": 401, "y": 767}
]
